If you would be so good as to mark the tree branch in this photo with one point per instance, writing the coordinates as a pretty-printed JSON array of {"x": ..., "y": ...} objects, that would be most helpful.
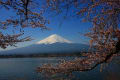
[{"x": 88, "y": 63}]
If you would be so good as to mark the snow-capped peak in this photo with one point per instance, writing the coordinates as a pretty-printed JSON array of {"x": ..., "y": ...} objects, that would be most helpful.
[{"x": 53, "y": 39}]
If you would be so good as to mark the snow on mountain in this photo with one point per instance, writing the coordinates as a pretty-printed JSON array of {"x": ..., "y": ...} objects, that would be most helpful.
[{"x": 53, "y": 39}]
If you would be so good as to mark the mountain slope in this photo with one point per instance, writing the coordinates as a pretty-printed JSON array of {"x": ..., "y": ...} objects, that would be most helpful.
[{"x": 49, "y": 48}]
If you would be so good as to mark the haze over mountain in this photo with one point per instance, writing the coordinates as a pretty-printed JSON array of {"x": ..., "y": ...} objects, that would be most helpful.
[{"x": 52, "y": 44}]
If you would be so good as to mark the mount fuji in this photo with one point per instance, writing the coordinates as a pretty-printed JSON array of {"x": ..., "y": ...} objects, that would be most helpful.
[{"x": 52, "y": 44}]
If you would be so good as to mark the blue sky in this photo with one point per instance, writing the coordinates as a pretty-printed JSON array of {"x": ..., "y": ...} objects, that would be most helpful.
[{"x": 70, "y": 28}]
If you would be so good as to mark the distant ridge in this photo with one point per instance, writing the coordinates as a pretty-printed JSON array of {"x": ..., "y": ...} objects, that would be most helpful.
[
  {"x": 53, "y": 39},
  {"x": 53, "y": 44}
]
